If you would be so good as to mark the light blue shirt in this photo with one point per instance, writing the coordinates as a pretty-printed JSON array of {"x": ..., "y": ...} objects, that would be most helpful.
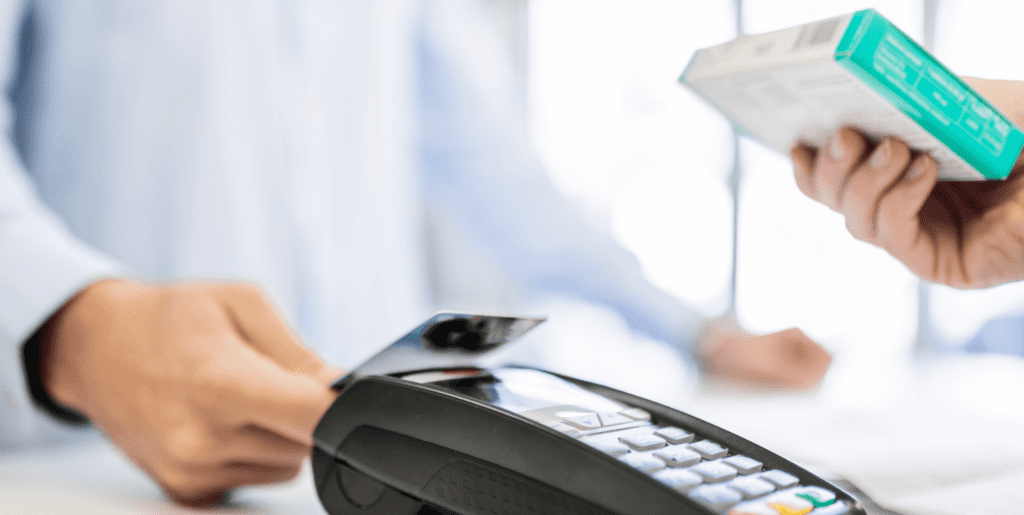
[{"x": 346, "y": 156}]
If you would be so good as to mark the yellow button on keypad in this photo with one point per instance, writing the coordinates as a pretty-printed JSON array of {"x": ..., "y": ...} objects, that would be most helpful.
[{"x": 787, "y": 503}]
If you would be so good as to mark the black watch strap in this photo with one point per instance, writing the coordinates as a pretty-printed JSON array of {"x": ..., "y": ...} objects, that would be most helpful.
[{"x": 32, "y": 360}]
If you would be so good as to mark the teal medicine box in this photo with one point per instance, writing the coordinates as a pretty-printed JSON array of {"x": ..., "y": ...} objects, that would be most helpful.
[{"x": 859, "y": 70}]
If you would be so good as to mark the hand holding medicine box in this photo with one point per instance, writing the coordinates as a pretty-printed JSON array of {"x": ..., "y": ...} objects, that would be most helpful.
[{"x": 800, "y": 85}]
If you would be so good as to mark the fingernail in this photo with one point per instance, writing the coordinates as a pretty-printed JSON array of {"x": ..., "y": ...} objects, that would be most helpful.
[
  {"x": 916, "y": 169},
  {"x": 836, "y": 148},
  {"x": 880, "y": 157}
]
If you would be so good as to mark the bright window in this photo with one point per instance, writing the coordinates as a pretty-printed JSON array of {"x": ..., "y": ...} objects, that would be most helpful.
[{"x": 651, "y": 159}]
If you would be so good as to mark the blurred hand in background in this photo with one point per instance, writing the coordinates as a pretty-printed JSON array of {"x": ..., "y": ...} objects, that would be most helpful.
[{"x": 785, "y": 360}]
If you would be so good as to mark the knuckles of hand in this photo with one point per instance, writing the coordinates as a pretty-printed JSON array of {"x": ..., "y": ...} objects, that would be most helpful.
[
  {"x": 188, "y": 445},
  {"x": 183, "y": 350},
  {"x": 180, "y": 484},
  {"x": 964, "y": 235}
]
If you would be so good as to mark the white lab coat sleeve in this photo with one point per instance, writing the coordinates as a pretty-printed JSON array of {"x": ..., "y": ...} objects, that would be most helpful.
[
  {"x": 41, "y": 264},
  {"x": 479, "y": 165}
]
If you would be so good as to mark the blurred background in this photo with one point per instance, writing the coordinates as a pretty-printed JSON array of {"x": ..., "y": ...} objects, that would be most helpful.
[
  {"x": 717, "y": 219},
  {"x": 714, "y": 219}
]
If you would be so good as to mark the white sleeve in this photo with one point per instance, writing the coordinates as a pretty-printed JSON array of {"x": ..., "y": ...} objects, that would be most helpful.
[
  {"x": 41, "y": 264},
  {"x": 478, "y": 163}
]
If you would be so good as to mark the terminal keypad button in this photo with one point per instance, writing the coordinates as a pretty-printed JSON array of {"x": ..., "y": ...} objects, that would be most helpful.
[
  {"x": 779, "y": 478},
  {"x": 817, "y": 496},
  {"x": 610, "y": 447},
  {"x": 643, "y": 442},
  {"x": 743, "y": 464},
  {"x": 708, "y": 450},
  {"x": 751, "y": 487},
  {"x": 838, "y": 508},
  {"x": 788, "y": 503},
  {"x": 613, "y": 419},
  {"x": 716, "y": 498},
  {"x": 714, "y": 471},
  {"x": 678, "y": 456},
  {"x": 679, "y": 479},
  {"x": 643, "y": 462},
  {"x": 674, "y": 435},
  {"x": 753, "y": 508},
  {"x": 584, "y": 421}
]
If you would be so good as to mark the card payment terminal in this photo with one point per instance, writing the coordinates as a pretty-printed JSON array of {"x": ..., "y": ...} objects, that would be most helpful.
[{"x": 421, "y": 430}]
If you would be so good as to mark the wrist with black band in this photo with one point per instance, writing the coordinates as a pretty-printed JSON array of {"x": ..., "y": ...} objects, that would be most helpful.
[{"x": 34, "y": 354}]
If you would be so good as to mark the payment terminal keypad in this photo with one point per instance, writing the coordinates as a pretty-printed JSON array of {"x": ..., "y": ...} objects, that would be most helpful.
[{"x": 699, "y": 468}]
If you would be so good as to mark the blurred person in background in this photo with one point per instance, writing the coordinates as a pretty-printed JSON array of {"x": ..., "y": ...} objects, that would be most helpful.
[{"x": 319, "y": 150}]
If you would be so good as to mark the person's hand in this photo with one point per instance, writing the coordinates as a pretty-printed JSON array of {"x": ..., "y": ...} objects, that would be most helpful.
[
  {"x": 785, "y": 360},
  {"x": 962, "y": 234},
  {"x": 202, "y": 385}
]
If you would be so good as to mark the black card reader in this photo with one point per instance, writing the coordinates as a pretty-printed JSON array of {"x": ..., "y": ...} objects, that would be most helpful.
[{"x": 421, "y": 430}]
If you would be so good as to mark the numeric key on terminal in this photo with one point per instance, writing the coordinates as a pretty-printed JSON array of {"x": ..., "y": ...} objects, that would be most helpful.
[
  {"x": 678, "y": 456},
  {"x": 743, "y": 464},
  {"x": 708, "y": 450},
  {"x": 614, "y": 419},
  {"x": 678, "y": 479},
  {"x": 779, "y": 478},
  {"x": 584, "y": 421},
  {"x": 643, "y": 462},
  {"x": 751, "y": 487},
  {"x": 714, "y": 471},
  {"x": 716, "y": 497},
  {"x": 643, "y": 442},
  {"x": 610, "y": 447},
  {"x": 674, "y": 435},
  {"x": 753, "y": 508}
]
